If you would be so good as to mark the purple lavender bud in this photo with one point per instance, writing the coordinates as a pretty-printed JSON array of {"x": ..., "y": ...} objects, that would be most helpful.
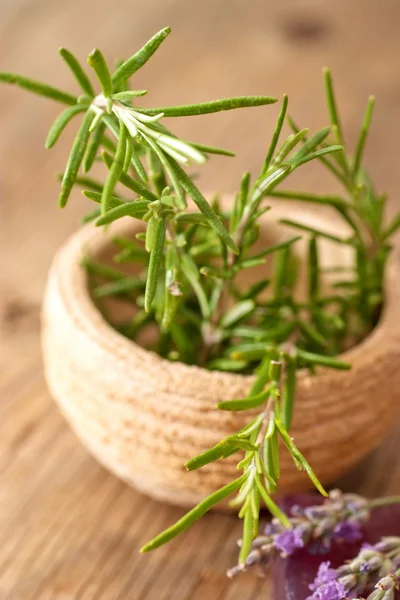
[
  {"x": 329, "y": 591},
  {"x": 348, "y": 531},
  {"x": 365, "y": 567},
  {"x": 325, "y": 575},
  {"x": 288, "y": 541}
]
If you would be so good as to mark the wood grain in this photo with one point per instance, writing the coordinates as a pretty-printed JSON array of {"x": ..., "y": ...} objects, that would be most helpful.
[{"x": 68, "y": 529}]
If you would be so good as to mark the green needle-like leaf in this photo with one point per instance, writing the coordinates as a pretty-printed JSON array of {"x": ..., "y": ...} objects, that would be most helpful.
[
  {"x": 330, "y": 200},
  {"x": 331, "y": 103},
  {"x": 96, "y": 197},
  {"x": 130, "y": 183},
  {"x": 171, "y": 173},
  {"x": 128, "y": 95},
  {"x": 324, "y": 361},
  {"x": 194, "y": 514},
  {"x": 276, "y": 134},
  {"x": 313, "y": 269},
  {"x": 310, "y": 144},
  {"x": 271, "y": 506},
  {"x": 61, "y": 122},
  {"x": 363, "y": 135},
  {"x": 221, "y": 450},
  {"x": 203, "y": 206},
  {"x": 115, "y": 171},
  {"x": 237, "y": 312},
  {"x": 42, "y": 89},
  {"x": 289, "y": 145},
  {"x": 97, "y": 61},
  {"x": 116, "y": 288},
  {"x": 211, "y": 149},
  {"x": 298, "y": 457},
  {"x": 191, "y": 273},
  {"x": 205, "y": 108},
  {"x": 93, "y": 147},
  {"x": 77, "y": 71},
  {"x": 392, "y": 228},
  {"x": 247, "y": 537},
  {"x": 244, "y": 403},
  {"x": 75, "y": 159},
  {"x": 140, "y": 58},
  {"x": 317, "y": 154},
  {"x": 317, "y": 232},
  {"x": 276, "y": 247},
  {"x": 155, "y": 263},
  {"x": 288, "y": 391},
  {"x": 135, "y": 209}
]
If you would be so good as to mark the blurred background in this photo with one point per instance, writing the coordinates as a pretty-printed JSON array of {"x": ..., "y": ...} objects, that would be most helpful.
[{"x": 68, "y": 529}]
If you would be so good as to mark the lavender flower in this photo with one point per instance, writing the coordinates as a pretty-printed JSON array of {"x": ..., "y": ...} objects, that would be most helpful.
[
  {"x": 348, "y": 531},
  {"x": 325, "y": 575},
  {"x": 339, "y": 518},
  {"x": 288, "y": 541},
  {"x": 373, "y": 567}
]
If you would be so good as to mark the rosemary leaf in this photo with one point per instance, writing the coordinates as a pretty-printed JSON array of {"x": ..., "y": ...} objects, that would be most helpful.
[
  {"x": 77, "y": 71},
  {"x": 247, "y": 537},
  {"x": 288, "y": 391},
  {"x": 310, "y": 144},
  {"x": 171, "y": 173},
  {"x": 115, "y": 171},
  {"x": 204, "y": 108},
  {"x": 392, "y": 228},
  {"x": 363, "y": 135},
  {"x": 331, "y": 103},
  {"x": 194, "y": 514},
  {"x": 128, "y": 95},
  {"x": 96, "y": 197},
  {"x": 116, "y": 288},
  {"x": 154, "y": 264},
  {"x": 335, "y": 201},
  {"x": 225, "y": 364},
  {"x": 276, "y": 247},
  {"x": 42, "y": 89},
  {"x": 317, "y": 154},
  {"x": 61, "y": 122},
  {"x": 237, "y": 312},
  {"x": 130, "y": 183},
  {"x": 75, "y": 159},
  {"x": 136, "y": 209},
  {"x": 211, "y": 149},
  {"x": 275, "y": 135},
  {"x": 271, "y": 506},
  {"x": 137, "y": 165},
  {"x": 140, "y": 58},
  {"x": 324, "y": 361},
  {"x": 97, "y": 61},
  {"x": 172, "y": 293},
  {"x": 316, "y": 232},
  {"x": 244, "y": 403},
  {"x": 203, "y": 206},
  {"x": 298, "y": 457},
  {"x": 93, "y": 147}
]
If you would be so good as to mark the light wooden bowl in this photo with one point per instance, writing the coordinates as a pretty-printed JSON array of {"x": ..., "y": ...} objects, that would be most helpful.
[{"x": 143, "y": 416}]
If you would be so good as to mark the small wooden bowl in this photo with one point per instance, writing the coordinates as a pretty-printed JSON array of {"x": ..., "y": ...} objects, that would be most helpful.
[{"x": 143, "y": 416}]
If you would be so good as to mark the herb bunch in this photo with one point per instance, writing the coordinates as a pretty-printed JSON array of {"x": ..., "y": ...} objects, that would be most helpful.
[{"x": 192, "y": 258}]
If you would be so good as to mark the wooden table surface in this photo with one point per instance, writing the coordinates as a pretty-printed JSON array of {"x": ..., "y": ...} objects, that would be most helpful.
[{"x": 68, "y": 529}]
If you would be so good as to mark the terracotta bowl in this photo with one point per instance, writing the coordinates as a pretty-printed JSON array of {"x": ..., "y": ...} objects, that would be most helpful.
[{"x": 143, "y": 416}]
